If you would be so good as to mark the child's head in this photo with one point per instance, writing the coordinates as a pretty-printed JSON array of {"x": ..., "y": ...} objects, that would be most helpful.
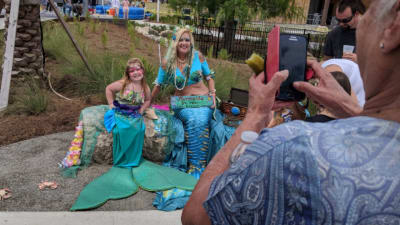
[{"x": 134, "y": 71}]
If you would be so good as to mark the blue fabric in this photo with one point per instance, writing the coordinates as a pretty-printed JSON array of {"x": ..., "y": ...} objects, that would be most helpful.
[
  {"x": 195, "y": 145},
  {"x": 205, "y": 68},
  {"x": 128, "y": 137},
  {"x": 197, "y": 68},
  {"x": 340, "y": 172},
  {"x": 109, "y": 121}
]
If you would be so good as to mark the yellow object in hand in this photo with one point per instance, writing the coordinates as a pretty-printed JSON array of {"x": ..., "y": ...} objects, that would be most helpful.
[{"x": 256, "y": 63}]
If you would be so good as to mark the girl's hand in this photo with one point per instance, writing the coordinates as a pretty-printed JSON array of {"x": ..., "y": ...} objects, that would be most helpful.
[{"x": 111, "y": 106}]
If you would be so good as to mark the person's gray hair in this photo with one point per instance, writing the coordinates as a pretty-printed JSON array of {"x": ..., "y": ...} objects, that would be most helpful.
[{"x": 385, "y": 6}]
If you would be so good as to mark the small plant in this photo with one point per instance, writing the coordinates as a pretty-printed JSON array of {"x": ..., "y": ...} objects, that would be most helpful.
[
  {"x": 223, "y": 54},
  {"x": 104, "y": 38},
  {"x": 35, "y": 100},
  {"x": 79, "y": 28},
  {"x": 93, "y": 25},
  {"x": 210, "y": 52}
]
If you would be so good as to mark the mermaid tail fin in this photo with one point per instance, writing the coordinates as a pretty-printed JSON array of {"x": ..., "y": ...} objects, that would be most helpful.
[{"x": 117, "y": 183}]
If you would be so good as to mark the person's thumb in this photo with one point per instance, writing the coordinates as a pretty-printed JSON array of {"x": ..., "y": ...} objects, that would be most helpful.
[{"x": 277, "y": 79}]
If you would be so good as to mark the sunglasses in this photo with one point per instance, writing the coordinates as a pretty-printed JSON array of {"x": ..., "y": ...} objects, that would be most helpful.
[
  {"x": 184, "y": 39},
  {"x": 345, "y": 20}
]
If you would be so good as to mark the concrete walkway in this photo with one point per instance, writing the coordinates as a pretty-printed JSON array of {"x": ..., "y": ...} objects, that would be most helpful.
[{"x": 91, "y": 218}]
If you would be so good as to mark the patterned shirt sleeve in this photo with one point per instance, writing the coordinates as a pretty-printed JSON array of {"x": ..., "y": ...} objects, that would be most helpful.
[{"x": 274, "y": 182}]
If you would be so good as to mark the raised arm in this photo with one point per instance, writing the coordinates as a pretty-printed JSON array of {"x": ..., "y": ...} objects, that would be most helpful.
[
  {"x": 111, "y": 89},
  {"x": 208, "y": 76},
  {"x": 261, "y": 101},
  {"x": 159, "y": 80}
]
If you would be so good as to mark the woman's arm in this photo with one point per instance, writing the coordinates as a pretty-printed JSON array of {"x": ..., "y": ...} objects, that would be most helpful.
[
  {"x": 207, "y": 73},
  {"x": 147, "y": 100},
  {"x": 211, "y": 88},
  {"x": 261, "y": 101},
  {"x": 159, "y": 80},
  {"x": 111, "y": 89},
  {"x": 155, "y": 92}
]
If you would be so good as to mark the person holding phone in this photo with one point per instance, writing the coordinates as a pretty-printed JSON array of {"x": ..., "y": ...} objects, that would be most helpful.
[
  {"x": 344, "y": 171},
  {"x": 341, "y": 41}
]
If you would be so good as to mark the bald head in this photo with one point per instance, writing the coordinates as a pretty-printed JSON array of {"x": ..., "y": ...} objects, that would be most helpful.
[{"x": 384, "y": 7}]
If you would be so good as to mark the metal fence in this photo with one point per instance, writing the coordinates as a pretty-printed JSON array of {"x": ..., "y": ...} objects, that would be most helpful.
[{"x": 246, "y": 39}]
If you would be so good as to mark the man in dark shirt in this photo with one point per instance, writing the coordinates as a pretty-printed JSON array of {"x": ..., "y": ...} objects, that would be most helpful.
[{"x": 341, "y": 41}]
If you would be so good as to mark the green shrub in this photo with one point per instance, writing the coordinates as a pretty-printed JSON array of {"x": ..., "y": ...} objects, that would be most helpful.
[
  {"x": 34, "y": 100},
  {"x": 104, "y": 38},
  {"x": 210, "y": 52},
  {"x": 223, "y": 54},
  {"x": 227, "y": 77}
]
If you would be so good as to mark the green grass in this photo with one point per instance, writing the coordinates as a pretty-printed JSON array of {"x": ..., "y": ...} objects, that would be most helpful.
[
  {"x": 109, "y": 66},
  {"x": 226, "y": 78},
  {"x": 33, "y": 100}
]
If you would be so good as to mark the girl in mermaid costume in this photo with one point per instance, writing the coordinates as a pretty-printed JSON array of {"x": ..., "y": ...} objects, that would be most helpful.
[
  {"x": 193, "y": 105},
  {"x": 122, "y": 117}
]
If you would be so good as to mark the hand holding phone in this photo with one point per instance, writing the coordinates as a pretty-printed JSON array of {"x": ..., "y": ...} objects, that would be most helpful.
[{"x": 286, "y": 52}]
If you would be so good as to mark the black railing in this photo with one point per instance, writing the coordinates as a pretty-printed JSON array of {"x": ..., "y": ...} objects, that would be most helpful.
[{"x": 246, "y": 39}]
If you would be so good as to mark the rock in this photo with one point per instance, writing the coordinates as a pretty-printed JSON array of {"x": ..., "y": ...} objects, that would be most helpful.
[
  {"x": 19, "y": 42},
  {"x": 36, "y": 10},
  {"x": 153, "y": 146},
  {"x": 24, "y": 36},
  {"x": 20, "y": 28},
  {"x": 31, "y": 45},
  {"x": 27, "y": 7},
  {"x": 28, "y": 70},
  {"x": 15, "y": 73},
  {"x": 153, "y": 149},
  {"x": 166, "y": 33},
  {"x": 21, "y": 49},
  {"x": 20, "y": 62},
  {"x": 37, "y": 51},
  {"x": 30, "y": 57},
  {"x": 35, "y": 25},
  {"x": 41, "y": 72},
  {"x": 37, "y": 38},
  {"x": 21, "y": 13},
  {"x": 18, "y": 54},
  {"x": 103, "y": 152},
  {"x": 25, "y": 23},
  {"x": 34, "y": 65},
  {"x": 153, "y": 32},
  {"x": 31, "y": 32}
]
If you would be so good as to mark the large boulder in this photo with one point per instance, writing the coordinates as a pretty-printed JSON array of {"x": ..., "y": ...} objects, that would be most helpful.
[{"x": 153, "y": 146}]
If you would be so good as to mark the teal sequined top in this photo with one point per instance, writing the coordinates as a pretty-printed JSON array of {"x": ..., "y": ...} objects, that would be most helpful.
[
  {"x": 130, "y": 97},
  {"x": 197, "y": 71}
]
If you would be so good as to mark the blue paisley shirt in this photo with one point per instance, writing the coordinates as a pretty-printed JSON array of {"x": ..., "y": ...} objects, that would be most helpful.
[{"x": 342, "y": 172}]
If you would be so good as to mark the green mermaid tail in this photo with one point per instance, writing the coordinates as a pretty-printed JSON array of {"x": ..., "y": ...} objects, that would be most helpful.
[{"x": 120, "y": 183}]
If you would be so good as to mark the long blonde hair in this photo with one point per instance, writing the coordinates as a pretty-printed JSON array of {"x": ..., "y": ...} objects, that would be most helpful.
[
  {"x": 125, "y": 79},
  {"x": 172, "y": 53}
]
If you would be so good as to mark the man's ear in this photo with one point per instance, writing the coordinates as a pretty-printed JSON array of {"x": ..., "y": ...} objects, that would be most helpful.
[{"x": 391, "y": 35}]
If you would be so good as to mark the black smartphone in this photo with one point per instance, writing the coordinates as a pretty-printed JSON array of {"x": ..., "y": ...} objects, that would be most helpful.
[
  {"x": 286, "y": 52},
  {"x": 292, "y": 57}
]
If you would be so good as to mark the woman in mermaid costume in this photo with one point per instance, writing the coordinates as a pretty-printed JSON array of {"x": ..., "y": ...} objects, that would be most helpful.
[
  {"x": 127, "y": 100},
  {"x": 193, "y": 106}
]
